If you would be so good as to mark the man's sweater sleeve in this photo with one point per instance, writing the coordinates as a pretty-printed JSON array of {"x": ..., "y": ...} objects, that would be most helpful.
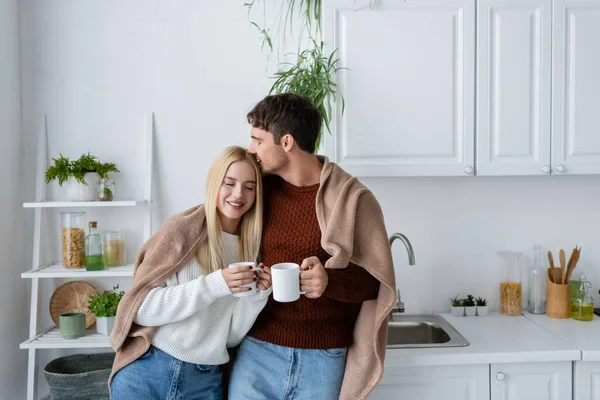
[{"x": 351, "y": 285}]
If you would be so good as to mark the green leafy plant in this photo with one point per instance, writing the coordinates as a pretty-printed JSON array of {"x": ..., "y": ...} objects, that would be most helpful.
[
  {"x": 456, "y": 301},
  {"x": 313, "y": 73},
  {"x": 63, "y": 168},
  {"x": 105, "y": 304},
  {"x": 311, "y": 76},
  {"x": 469, "y": 301},
  {"x": 481, "y": 302}
]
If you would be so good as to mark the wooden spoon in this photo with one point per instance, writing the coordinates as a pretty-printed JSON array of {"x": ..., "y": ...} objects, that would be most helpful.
[
  {"x": 563, "y": 265},
  {"x": 574, "y": 264},
  {"x": 569, "y": 265},
  {"x": 551, "y": 259}
]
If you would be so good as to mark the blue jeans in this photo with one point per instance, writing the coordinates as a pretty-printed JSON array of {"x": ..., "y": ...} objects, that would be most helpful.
[
  {"x": 157, "y": 375},
  {"x": 263, "y": 370}
]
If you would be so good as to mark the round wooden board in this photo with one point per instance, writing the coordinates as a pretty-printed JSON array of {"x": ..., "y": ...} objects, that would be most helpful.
[{"x": 72, "y": 297}]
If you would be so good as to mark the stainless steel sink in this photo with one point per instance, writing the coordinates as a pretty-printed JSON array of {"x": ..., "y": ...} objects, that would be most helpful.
[{"x": 413, "y": 331}]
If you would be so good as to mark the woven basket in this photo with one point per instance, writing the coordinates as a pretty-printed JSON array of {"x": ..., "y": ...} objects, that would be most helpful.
[{"x": 79, "y": 376}]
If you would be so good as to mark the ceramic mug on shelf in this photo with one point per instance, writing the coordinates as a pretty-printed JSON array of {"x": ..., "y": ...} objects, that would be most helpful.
[{"x": 72, "y": 325}]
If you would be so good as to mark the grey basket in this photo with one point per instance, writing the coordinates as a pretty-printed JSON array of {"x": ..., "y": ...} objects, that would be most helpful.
[{"x": 79, "y": 376}]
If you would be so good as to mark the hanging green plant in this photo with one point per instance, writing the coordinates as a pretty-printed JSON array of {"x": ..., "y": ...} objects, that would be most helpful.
[
  {"x": 313, "y": 73},
  {"x": 312, "y": 76}
]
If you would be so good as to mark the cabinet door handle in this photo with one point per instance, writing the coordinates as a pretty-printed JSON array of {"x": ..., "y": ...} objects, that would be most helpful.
[
  {"x": 469, "y": 170},
  {"x": 500, "y": 376},
  {"x": 546, "y": 169},
  {"x": 560, "y": 168}
]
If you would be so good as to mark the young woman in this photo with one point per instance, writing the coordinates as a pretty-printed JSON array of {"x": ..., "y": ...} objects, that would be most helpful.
[{"x": 174, "y": 326}]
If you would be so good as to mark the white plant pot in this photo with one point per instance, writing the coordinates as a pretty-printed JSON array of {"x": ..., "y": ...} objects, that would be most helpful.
[
  {"x": 80, "y": 192},
  {"x": 458, "y": 311},
  {"x": 470, "y": 311},
  {"x": 482, "y": 310},
  {"x": 105, "y": 325}
]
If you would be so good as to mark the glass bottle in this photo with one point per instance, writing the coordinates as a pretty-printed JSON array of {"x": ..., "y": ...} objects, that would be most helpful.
[
  {"x": 94, "y": 260},
  {"x": 73, "y": 239},
  {"x": 510, "y": 287},
  {"x": 536, "y": 299},
  {"x": 582, "y": 304}
]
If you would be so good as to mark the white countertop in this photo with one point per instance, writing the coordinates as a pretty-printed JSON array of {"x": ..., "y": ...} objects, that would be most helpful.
[
  {"x": 584, "y": 335},
  {"x": 494, "y": 338}
]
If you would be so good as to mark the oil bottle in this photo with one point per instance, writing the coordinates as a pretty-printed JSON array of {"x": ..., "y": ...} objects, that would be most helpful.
[{"x": 582, "y": 304}]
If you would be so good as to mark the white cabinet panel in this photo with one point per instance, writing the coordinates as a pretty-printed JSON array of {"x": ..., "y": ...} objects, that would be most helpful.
[
  {"x": 409, "y": 88},
  {"x": 531, "y": 381},
  {"x": 461, "y": 382},
  {"x": 513, "y": 87},
  {"x": 587, "y": 381},
  {"x": 576, "y": 87}
]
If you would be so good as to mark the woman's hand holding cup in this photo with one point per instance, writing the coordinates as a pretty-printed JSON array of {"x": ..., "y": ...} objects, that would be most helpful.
[
  {"x": 264, "y": 277},
  {"x": 238, "y": 275}
]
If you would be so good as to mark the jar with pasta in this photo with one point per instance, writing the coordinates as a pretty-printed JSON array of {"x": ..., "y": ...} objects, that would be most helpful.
[
  {"x": 510, "y": 286},
  {"x": 73, "y": 239}
]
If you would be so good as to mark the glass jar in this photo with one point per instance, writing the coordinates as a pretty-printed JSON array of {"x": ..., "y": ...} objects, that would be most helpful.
[
  {"x": 73, "y": 239},
  {"x": 106, "y": 189},
  {"x": 582, "y": 303},
  {"x": 94, "y": 259},
  {"x": 510, "y": 286},
  {"x": 536, "y": 298},
  {"x": 114, "y": 248}
]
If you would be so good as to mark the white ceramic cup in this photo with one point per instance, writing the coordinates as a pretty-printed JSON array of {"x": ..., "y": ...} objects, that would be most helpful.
[
  {"x": 250, "y": 285},
  {"x": 286, "y": 282}
]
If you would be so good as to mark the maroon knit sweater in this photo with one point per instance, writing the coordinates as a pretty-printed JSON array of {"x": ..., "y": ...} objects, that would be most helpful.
[{"x": 291, "y": 234}]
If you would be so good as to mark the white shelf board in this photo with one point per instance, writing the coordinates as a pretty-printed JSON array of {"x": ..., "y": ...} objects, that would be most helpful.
[
  {"x": 58, "y": 271},
  {"x": 51, "y": 339},
  {"x": 68, "y": 204}
]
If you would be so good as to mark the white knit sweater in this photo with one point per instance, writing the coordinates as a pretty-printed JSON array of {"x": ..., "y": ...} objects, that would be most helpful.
[{"x": 196, "y": 315}]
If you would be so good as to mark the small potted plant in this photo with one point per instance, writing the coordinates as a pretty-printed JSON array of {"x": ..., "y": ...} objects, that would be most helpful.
[
  {"x": 458, "y": 310},
  {"x": 104, "y": 306},
  {"x": 482, "y": 308},
  {"x": 469, "y": 303},
  {"x": 81, "y": 176}
]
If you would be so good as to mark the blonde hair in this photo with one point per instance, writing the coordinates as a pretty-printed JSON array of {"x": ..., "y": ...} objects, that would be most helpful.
[{"x": 210, "y": 255}]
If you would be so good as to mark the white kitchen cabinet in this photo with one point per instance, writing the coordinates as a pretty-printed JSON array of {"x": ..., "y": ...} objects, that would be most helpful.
[
  {"x": 587, "y": 380},
  {"x": 531, "y": 381},
  {"x": 409, "y": 89},
  {"x": 513, "y": 87},
  {"x": 576, "y": 87},
  {"x": 456, "y": 382}
]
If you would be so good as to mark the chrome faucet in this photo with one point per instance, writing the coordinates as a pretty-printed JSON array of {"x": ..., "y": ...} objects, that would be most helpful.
[{"x": 411, "y": 261}]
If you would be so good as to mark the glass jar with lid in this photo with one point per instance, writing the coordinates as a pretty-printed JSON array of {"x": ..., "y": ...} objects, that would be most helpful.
[
  {"x": 114, "y": 248},
  {"x": 73, "y": 239},
  {"x": 582, "y": 303},
  {"x": 510, "y": 286}
]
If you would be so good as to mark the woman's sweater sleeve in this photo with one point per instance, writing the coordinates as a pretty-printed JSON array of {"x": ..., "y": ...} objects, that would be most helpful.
[
  {"x": 244, "y": 314},
  {"x": 176, "y": 302}
]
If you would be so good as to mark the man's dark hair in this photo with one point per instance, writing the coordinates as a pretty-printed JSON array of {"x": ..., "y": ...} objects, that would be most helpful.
[{"x": 285, "y": 113}]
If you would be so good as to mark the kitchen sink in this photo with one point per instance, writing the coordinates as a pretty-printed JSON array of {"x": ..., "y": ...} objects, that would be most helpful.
[{"x": 413, "y": 331}]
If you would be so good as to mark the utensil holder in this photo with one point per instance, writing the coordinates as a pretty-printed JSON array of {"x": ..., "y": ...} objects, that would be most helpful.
[{"x": 558, "y": 300}]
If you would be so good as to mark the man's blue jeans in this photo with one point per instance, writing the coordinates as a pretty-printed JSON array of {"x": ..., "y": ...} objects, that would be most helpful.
[
  {"x": 263, "y": 370},
  {"x": 157, "y": 375}
]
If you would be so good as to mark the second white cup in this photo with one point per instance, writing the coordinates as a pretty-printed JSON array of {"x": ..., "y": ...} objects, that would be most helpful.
[
  {"x": 286, "y": 282},
  {"x": 250, "y": 285}
]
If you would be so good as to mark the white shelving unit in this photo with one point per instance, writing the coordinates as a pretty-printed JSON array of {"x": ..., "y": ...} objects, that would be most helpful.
[{"x": 50, "y": 338}]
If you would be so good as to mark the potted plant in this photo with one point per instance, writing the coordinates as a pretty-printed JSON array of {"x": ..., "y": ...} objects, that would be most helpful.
[
  {"x": 104, "y": 306},
  {"x": 458, "y": 310},
  {"x": 81, "y": 176},
  {"x": 469, "y": 303},
  {"x": 482, "y": 308}
]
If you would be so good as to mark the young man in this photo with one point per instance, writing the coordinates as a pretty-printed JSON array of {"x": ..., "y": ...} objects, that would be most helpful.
[{"x": 316, "y": 215}]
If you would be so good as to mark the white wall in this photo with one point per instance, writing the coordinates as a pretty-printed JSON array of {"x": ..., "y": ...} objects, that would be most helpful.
[
  {"x": 13, "y": 290},
  {"x": 96, "y": 67}
]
